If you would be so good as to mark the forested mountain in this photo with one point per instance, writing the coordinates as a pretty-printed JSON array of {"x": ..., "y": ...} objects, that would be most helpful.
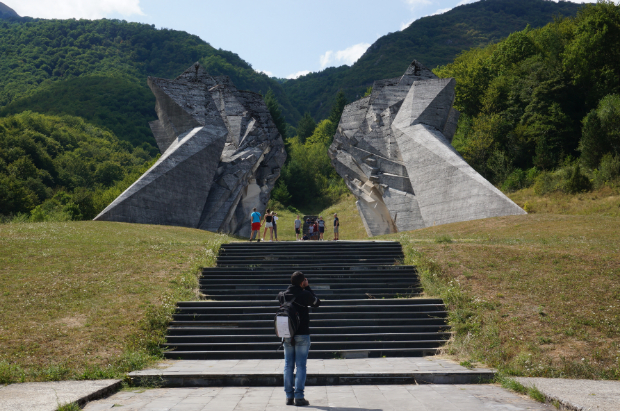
[
  {"x": 544, "y": 104},
  {"x": 434, "y": 40},
  {"x": 7, "y": 12},
  {"x": 98, "y": 69}
]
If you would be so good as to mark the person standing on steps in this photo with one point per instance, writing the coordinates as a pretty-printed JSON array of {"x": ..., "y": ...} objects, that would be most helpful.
[
  {"x": 321, "y": 228},
  {"x": 275, "y": 225},
  {"x": 336, "y": 227},
  {"x": 297, "y": 227},
  {"x": 255, "y": 221},
  {"x": 296, "y": 352},
  {"x": 268, "y": 224}
]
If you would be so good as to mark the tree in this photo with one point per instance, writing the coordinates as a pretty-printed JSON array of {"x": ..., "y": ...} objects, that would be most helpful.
[
  {"x": 338, "y": 108},
  {"x": 276, "y": 113},
  {"x": 305, "y": 127},
  {"x": 601, "y": 131}
]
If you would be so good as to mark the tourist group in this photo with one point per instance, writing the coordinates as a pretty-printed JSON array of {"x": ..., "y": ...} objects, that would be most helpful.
[{"x": 313, "y": 229}]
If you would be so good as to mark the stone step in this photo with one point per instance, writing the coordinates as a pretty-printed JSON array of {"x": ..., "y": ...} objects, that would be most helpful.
[
  {"x": 294, "y": 266},
  {"x": 274, "y": 302},
  {"x": 320, "y": 322},
  {"x": 321, "y": 290},
  {"x": 360, "y": 270},
  {"x": 323, "y": 309},
  {"x": 193, "y": 329},
  {"x": 313, "y": 354},
  {"x": 315, "y": 316},
  {"x": 335, "y": 345},
  {"x": 324, "y": 297},
  {"x": 177, "y": 339},
  {"x": 317, "y": 287},
  {"x": 316, "y": 280}
]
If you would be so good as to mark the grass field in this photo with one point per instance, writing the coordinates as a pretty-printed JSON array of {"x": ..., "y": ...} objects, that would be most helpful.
[
  {"x": 532, "y": 295},
  {"x": 535, "y": 295},
  {"x": 91, "y": 299}
]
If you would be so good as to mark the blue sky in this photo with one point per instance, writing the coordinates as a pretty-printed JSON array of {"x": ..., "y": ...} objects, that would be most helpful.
[{"x": 283, "y": 38}]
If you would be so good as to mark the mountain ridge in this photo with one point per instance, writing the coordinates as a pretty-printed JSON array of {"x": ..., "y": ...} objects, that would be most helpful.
[
  {"x": 7, "y": 12},
  {"x": 433, "y": 40}
]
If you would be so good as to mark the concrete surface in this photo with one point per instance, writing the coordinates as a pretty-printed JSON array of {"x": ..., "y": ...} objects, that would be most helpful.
[
  {"x": 393, "y": 150},
  {"x": 579, "y": 395},
  {"x": 221, "y": 156},
  {"x": 319, "y": 372},
  {"x": 48, "y": 396},
  {"x": 332, "y": 398}
]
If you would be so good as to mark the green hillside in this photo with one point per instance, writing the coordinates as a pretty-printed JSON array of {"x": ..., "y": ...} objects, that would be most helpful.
[
  {"x": 434, "y": 40},
  {"x": 98, "y": 70},
  {"x": 62, "y": 168},
  {"x": 538, "y": 101}
]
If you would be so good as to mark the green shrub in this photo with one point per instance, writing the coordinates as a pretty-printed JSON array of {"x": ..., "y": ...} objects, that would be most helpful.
[
  {"x": 578, "y": 182},
  {"x": 608, "y": 170}
]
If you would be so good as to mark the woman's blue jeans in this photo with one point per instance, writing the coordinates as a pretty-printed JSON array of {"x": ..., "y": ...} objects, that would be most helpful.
[{"x": 295, "y": 356}]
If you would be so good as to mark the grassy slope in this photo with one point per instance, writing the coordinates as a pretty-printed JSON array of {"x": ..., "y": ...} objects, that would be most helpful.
[
  {"x": 85, "y": 299},
  {"x": 532, "y": 295}
]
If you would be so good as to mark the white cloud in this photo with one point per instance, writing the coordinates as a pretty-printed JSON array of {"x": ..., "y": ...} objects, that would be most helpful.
[
  {"x": 415, "y": 3},
  {"x": 441, "y": 11},
  {"x": 64, "y": 9},
  {"x": 347, "y": 56},
  {"x": 269, "y": 73},
  {"x": 298, "y": 74}
]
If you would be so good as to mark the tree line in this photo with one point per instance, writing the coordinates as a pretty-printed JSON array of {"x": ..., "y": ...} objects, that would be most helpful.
[{"x": 543, "y": 105}]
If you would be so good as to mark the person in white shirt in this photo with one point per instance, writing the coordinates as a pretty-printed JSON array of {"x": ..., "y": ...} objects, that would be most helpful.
[{"x": 275, "y": 225}]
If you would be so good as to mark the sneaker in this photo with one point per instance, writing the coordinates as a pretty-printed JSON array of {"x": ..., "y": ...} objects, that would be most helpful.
[
  {"x": 290, "y": 401},
  {"x": 301, "y": 402}
]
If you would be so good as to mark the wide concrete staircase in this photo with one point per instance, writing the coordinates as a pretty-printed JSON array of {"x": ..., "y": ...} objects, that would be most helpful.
[{"x": 370, "y": 305}]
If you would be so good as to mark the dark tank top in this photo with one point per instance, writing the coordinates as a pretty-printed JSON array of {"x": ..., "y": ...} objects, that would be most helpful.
[{"x": 267, "y": 218}]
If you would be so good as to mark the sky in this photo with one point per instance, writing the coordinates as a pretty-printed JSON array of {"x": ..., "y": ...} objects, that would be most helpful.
[{"x": 283, "y": 38}]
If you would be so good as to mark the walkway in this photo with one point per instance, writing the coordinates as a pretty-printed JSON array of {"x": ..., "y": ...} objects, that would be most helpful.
[{"x": 327, "y": 398}]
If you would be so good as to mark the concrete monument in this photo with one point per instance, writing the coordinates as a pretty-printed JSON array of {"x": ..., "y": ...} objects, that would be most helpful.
[
  {"x": 221, "y": 156},
  {"x": 393, "y": 149}
]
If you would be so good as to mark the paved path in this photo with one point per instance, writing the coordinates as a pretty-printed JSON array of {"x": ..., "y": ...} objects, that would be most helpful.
[
  {"x": 579, "y": 395},
  {"x": 329, "y": 398},
  {"x": 47, "y": 396},
  {"x": 422, "y": 369}
]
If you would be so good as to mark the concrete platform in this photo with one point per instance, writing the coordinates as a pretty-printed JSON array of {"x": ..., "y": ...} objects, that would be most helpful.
[
  {"x": 328, "y": 398},
  {"x": 48, "y": 396},
  {"x": 578, "y": 395},
  {"x": 268, "y": 373}
]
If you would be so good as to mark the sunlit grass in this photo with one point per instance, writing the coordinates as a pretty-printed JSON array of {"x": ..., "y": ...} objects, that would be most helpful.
[{"x": 91, "y": 300}]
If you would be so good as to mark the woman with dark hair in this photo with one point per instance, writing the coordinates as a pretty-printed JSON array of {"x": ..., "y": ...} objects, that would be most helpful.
[{"x": 268, "y": 220}]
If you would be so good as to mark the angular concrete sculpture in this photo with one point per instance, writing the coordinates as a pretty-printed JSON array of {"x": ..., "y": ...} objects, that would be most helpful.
[
  {"x": 221, "y": 156},
  {"x": 393, "y": 149}
]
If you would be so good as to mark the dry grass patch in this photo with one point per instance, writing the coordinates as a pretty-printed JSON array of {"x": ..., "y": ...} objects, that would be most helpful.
[
  {"x": 604, "y": 201},
  {"x": 534, "y": 295},
  {"x": 92, "y": 299}
]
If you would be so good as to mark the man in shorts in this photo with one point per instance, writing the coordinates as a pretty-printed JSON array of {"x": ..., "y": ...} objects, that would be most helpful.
[
  {"x": 321, "y": 228},
  {"x": 255, "y": 220},
  {"x": 336, "y": 226},
  {"x": 297, "y": 227}
]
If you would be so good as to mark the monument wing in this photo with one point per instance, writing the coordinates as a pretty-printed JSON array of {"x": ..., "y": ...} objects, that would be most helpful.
[
  {"x": 221, "y": 157},
  {"x": 393, "y": 149}
]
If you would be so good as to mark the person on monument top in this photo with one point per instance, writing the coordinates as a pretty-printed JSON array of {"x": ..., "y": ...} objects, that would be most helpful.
[
  {"x": 255, "y": 221},
  {"x": 268, "y": 219},
  {"x": 296, "y": 353}
]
